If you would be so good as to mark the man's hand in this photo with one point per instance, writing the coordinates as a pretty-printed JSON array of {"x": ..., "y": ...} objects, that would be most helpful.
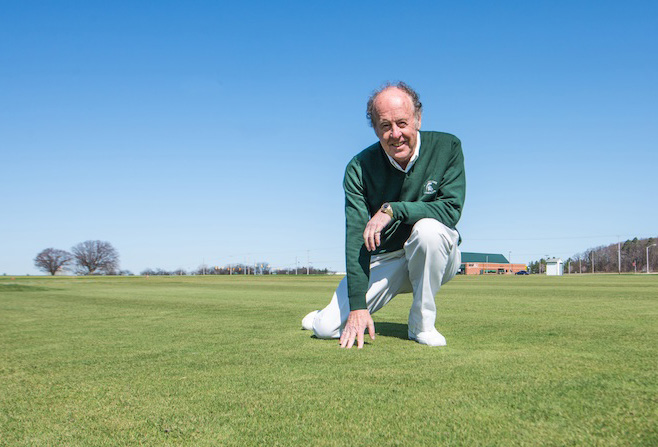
[
  {"x": 374, "y": 227},
  {"x": 357, "y": 321}
]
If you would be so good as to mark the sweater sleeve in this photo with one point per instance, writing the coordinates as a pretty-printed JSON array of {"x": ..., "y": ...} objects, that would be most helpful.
[
  {"x": 357, "y": 258},
  {"x": 449, "y": 202}
]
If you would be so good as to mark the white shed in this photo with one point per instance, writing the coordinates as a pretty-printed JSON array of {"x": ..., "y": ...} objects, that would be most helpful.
[{"x": 554, "y": 267}]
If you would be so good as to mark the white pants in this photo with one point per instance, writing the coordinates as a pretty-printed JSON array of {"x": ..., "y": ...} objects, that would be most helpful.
[{"x": 430, "y": 258}]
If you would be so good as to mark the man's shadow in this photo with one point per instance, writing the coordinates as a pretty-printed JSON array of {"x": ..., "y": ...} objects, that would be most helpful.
[{"x": 397, "y": 330}]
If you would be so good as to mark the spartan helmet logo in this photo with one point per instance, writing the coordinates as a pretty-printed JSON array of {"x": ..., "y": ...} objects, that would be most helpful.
[{"x": 430, "y": 187}]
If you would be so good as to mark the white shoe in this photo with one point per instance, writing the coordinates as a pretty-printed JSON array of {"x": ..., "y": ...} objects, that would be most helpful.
[
  {"x": 307, "y": 321},
  {"x": 429, "y": 338}
]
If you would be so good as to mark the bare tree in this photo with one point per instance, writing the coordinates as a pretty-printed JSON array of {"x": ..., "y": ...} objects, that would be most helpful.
[
  {"x": 95, "y": 257},
  {"x": 52, "y": 260}
]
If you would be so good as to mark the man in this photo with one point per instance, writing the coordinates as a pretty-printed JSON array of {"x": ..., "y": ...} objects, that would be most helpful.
[{"x": 403, "y": 197}]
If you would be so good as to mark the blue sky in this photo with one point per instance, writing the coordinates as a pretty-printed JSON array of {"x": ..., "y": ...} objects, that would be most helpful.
[{"x": 184, "y": 132}]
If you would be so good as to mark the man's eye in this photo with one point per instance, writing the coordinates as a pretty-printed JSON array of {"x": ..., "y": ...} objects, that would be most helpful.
[{"x": 402, "y": 124}]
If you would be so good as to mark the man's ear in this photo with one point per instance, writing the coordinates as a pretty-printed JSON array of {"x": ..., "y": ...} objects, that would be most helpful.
[{"x": 418, "y": 119}]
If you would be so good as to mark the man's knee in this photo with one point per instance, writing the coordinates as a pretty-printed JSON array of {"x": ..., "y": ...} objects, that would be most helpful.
[
  {"x": 323, "y": 328},
  {"x": 430, "y": 234}
]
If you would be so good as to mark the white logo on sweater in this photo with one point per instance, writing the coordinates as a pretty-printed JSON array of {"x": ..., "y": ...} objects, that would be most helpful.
[{"x": 430, "y": 187}]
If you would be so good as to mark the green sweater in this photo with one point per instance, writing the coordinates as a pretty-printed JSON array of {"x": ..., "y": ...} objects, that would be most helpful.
[{"x": 434, "y": 187}]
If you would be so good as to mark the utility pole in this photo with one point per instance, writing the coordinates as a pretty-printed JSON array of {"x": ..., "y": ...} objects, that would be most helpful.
[
  {"x": 619, "y": 254},
  {"x": 308, "y": 261},
  {"x": 652, "y": 245},
  {"x": 296, "y": 262},
  {"x": 592, "y": 254}
]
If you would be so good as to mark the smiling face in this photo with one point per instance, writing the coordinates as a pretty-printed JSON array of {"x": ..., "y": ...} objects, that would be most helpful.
[{"x": 396, "y": 124}]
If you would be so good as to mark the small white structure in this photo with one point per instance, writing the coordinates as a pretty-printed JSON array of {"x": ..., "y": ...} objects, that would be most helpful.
[{"x": 554, "y": 267}]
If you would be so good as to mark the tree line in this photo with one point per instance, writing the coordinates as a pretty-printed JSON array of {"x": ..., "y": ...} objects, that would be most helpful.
[
  {"x": 85, "y": 258},
  {"x": 262, "y": 268},
  {"x": 101, "y": 258},
  {"x": 606, "y": 258}
]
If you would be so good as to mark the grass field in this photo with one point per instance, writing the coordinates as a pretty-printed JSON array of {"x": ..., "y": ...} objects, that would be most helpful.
[{"x": 208, "y": 361}]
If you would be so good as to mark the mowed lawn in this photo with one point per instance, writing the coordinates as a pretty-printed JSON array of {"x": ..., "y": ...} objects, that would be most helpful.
[{"x": 210, "y": 361}]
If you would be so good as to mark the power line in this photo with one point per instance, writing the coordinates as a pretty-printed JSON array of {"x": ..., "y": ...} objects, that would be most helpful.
[{"x": 538, "y": 238}]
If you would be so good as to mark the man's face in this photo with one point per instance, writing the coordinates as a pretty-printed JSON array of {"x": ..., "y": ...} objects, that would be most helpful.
[{"x": 395, "y": 124}]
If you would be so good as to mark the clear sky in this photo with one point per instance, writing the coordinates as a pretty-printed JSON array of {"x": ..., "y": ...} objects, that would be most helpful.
[{"x": 184, "y": 132}]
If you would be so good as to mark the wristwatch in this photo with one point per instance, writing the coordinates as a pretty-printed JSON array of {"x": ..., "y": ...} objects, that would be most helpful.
[{"x": 386, "y": 208}]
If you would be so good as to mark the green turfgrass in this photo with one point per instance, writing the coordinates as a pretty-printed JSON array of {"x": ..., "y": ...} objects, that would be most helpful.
[{"x": 206, "y": 361}]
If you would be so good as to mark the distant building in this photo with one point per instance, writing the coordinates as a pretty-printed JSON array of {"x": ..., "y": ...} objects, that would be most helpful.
[
  {"x": 554, "y": 267},
  {"x": 488, "y": 263}
]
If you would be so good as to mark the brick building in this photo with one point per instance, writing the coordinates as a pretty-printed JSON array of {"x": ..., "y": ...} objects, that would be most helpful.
[{"x": 488, "y": 264}]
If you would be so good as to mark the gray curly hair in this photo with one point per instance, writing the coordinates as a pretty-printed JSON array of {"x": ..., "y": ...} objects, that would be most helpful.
[{"x": 415, "y": 100}]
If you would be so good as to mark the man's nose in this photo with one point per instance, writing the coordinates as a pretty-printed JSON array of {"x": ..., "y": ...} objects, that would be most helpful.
[{"x": 395, "y": 132}]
